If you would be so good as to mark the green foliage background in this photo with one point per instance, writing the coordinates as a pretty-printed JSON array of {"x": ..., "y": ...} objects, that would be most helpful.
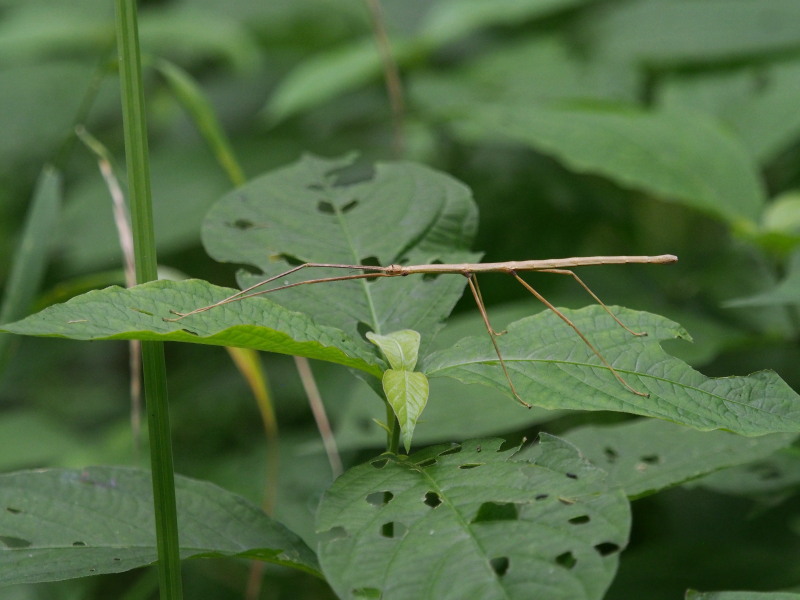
[{"x": 582, "y": 128}]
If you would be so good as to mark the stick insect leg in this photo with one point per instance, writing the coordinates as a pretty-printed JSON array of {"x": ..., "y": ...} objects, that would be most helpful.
[
  {"x": 596, "y": 299},
  {"x": 574, "y": 327},
  {"x": 473, "y": 286},
  {"x": 249, "y": 293}
]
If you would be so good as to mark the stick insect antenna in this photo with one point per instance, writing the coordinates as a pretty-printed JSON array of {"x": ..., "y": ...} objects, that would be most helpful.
[{"x": 249, "y": 293}]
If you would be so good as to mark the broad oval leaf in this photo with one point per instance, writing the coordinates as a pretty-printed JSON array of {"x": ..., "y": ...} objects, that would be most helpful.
[
  {"x": 407, "y": 394},
  {"x": 552, "y": 368},
  {"x": 402, "y": 213},
  {"x": 63, "y": 523},
  {"x": 139, "y": 313},
  {"x": 473, "y": 521}
]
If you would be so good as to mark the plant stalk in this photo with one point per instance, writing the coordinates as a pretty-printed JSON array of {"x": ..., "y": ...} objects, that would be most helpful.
[{"x": 154, "y": 370}]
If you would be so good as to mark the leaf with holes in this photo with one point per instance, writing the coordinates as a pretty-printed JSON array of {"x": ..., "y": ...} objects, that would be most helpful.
[
  {"x": 552, "y": 368},
  {"x": 62, "y": 523},
  {"x": 648, "y": 455},
  {"x": 313, "y": 211},
  {"x": 140, "y": 312},
  {"x": 473, "y": 521},
  {"x": 694, "y": 595}
]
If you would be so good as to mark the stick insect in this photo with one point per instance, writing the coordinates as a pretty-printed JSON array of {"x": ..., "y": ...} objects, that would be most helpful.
[{"x": 561, "y": 266}]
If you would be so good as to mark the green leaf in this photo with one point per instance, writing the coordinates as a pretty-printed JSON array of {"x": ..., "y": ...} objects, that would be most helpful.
[
  {"x": 786, "y": 291},
  {"x": 307, "y": 212},
  {"x": 139, "y": 313},
  {"x": 646, "y": 456},
  {"x": 678, "y": 31},
  {"x": 452, "y": 19},
  {"x": 473, "y": 521},
  {"x": 400, "y": 348},
  {"x": 407, "y": 393},
  {"x": 772, "y": 479},
  {"x": 677, "y": 156},
  {"x": 60, "y": 524},
  {"x": 694, "y": 595},
  {"x": 552, "y": 368}
]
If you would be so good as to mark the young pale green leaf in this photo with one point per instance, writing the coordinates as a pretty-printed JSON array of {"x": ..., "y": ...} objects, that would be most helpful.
[
  {"x": 304, "y": 213},
  {"x": 678, "y": 156},
  {"x": 140, "y": 312},
  {"x": 695, "y": 595},
  {"x": 400, "y": 348},
  {"x": 648, "y": 455},
  {"x": 407, "y": 394},
  {"x": 61, "y": 524},
  {"x": 473, "y": 521},
  {"x": 552, "y": 368}
]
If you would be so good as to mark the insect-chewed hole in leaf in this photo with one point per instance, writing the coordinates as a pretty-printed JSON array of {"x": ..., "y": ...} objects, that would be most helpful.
[
  {"x": 500, "y": 565},
  {"x": 333, "y": 534},
  {"x": 432, "y": 276},
  {"x": 363, "y": 329},
  {"x": 611, "y": 454},
  {"x": 14, "y": 542},
  {"x": 379, "y": 498},
  {"x": 380, "y": 463},
  {"x": 567, "y": 560},
  {"x": 189, "y": 331},
  {"x": 141, "y": 311},
  {"x": 766, "y": 472},
  {"x": 651, "y": 459},
  {"x": 571, "y": 475},
  {"x": 581, "y": 520},
  {"x": 393, "y": 529},
  {"x": 428, "y": 462},
  {"x": 541, "y": 496},
  {"x": 367, "y": 593},
  {"x": 116, "y": 559},
  {"x": 13, "y": 511},
  {"x": 370, "y": 261},
  {"x": 496, "y": 511},
  {"x": 432, "y": 499},
  {"x": 78, "y": 544},
  {"x": 242, "y": 224},
  {"x": 606, "y": 548},
  {"x": 470, "y": 465},
  {"x": 349, "y": 206},
  {"x": 452, "y": 450},
  {"x": 325, "y": 207}
]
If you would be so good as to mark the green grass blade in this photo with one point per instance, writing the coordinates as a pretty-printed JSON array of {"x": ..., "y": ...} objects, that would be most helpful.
[
  {"x": 30, "y": 259},
  {"x": 153, "y": 366}
]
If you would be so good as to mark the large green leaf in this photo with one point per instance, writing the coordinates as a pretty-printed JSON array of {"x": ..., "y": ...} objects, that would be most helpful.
[
  {"x": 552, "y": 368},
  {"x": 678, "y": 156},
  {"x": 59, "y": 524},
  {"x": 140, "y": 312},
  {"x": 473, "y": 521},
  {"x": 648, "y": 455},
  {"x": 305, "y": 213}
]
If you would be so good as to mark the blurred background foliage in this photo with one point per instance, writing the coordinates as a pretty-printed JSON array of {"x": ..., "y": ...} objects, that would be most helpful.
[{"x": 527, "y": 102}]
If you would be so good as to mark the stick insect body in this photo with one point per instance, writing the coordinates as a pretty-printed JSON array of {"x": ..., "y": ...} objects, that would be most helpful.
[{"x": 560, "y": 266}]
